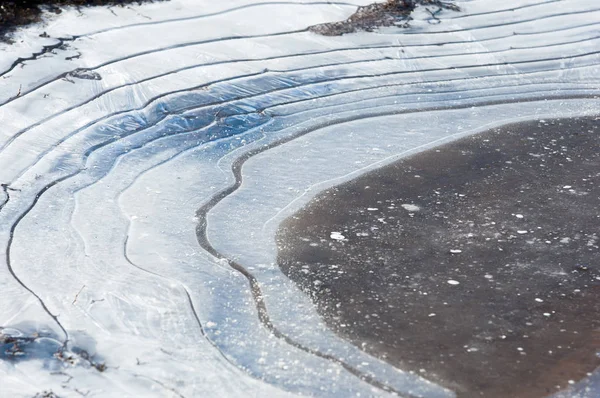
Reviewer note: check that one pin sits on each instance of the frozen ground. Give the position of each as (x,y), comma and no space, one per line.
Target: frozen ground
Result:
(148,157)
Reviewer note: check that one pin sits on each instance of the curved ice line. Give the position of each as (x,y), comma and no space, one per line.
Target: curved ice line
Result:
(133,150)
(166,138)
(243,158)
(185,290)
(181,111)
(48,48)
(502,11)
(61,41)
(265,93)
(594,87)
(236,168)
(14,275)
(135,55)
(564,14)
(385,160)
(315,82)
(187,150)
(324,356)
(222,12)
(182,45)
(533,94)
(254,285)
(160,383)
(349,49)
(101,94)
(90,124)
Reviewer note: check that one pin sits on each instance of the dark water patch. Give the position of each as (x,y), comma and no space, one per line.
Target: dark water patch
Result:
(475,264)
(390,13)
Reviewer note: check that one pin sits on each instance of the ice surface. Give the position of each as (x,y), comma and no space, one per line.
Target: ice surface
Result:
(111,144)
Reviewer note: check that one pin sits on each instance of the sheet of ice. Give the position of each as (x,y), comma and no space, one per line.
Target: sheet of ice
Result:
(107,152)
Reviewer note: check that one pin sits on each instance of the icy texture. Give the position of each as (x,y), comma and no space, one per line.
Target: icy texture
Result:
(110,144)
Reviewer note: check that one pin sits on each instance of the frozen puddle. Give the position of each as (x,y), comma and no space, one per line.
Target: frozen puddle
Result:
(506,315)
(148,158)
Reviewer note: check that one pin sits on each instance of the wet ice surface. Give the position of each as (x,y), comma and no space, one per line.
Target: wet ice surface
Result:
(143,183)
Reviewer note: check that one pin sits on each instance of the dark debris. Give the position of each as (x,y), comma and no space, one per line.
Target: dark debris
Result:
(391,13)
(42,345)
(46,394)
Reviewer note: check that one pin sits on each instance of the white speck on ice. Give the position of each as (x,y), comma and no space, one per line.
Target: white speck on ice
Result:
(521,232)
(337,236)
(455,251)
(567,187)
(453,282)
(539,300)
(411,207)
(546,314)
(432,314)
(372,208)
(519,215)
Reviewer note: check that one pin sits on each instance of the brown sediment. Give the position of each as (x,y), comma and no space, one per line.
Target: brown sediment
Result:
(512,215)
(390,13)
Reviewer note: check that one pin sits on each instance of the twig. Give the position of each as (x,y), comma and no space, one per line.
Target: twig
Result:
(77,295)
(63,374)
(72,57)
(434,16)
